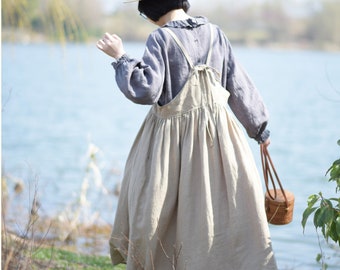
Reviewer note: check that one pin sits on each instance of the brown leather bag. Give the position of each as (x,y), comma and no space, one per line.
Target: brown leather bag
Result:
(279,203)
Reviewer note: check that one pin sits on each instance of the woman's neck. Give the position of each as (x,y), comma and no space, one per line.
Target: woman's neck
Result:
(173,15)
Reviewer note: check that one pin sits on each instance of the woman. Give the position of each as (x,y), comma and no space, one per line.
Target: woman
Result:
(191,195)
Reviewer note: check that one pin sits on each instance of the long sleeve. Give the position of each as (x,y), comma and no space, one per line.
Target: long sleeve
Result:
(245,100)
(141,81)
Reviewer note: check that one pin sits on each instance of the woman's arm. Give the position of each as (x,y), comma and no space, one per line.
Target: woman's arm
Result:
(141,81)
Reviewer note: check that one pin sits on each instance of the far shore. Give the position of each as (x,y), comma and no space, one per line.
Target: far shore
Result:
(21,37)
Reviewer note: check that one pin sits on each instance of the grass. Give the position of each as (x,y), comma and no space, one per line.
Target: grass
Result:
(48,257)
(62,259)
(25,253)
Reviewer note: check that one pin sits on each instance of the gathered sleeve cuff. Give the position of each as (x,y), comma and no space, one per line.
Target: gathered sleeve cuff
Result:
(263,136)
(122,59)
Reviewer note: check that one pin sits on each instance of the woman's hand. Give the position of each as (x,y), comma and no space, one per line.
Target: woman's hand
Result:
(112,45)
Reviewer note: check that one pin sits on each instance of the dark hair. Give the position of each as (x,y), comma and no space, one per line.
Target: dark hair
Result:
(154,9)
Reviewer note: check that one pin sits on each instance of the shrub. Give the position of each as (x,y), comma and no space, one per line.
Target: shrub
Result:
(327,212)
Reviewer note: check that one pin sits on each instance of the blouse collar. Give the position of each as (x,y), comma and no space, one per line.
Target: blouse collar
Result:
(192,22)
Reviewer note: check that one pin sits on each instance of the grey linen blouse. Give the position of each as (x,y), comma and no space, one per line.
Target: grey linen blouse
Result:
(162,72)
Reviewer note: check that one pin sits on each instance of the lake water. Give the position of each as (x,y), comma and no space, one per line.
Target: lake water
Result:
(57,100)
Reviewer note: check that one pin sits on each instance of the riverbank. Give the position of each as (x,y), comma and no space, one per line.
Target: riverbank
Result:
(18,36)
(20,253)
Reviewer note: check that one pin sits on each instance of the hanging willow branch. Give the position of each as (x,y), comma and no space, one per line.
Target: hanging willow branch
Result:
(14,13)
(56,19)
(62,22)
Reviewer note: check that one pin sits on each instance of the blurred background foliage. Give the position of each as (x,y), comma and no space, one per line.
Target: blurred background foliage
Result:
(315,23)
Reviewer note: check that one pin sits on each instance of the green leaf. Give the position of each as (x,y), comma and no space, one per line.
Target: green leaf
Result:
(337,228)
(335,171)
(331,232)
(339,142)
(323,216)
(306,214)
(316,219)
(327,203)
(312,199)
(318,257)
(326,215)
(337,200)
(335,164)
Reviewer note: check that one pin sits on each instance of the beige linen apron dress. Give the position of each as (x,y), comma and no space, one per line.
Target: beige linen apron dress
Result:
(191,196)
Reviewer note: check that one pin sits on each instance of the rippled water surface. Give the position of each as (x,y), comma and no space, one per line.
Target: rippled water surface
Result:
(58,100)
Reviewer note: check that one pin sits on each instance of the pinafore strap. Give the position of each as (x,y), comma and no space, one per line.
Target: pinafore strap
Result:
(184,51)
(202,89)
